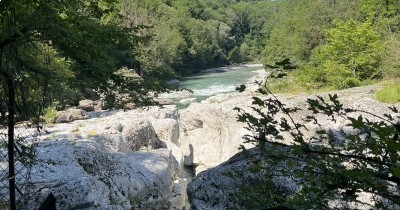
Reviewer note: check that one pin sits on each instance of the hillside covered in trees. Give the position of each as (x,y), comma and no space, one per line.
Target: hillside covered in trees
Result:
(332,44)
(81,45)
(358,37)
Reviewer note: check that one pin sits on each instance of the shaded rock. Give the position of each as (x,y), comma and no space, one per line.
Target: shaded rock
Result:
(87,105)
(163,101)
(70,115)
(91,94)
(83,192)
(112,140)
(83,175)
(215,188)
(179,193)
(139,135)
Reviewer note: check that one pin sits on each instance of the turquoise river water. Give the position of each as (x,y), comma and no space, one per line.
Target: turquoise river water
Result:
(205,85)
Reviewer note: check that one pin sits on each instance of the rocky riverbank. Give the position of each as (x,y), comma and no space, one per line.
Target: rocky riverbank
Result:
(112,160)
(91,159)
(133,159)
(213,188)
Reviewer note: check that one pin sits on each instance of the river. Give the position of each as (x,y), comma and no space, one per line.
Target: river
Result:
(211,82)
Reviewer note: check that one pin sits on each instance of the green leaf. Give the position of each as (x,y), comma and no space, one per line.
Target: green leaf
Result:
(393,145)
(357,123)
(394,109)
(241,88)
(396,171)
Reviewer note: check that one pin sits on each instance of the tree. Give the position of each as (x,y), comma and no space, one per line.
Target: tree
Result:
(296,28)
(357,46)
(52,51)
(62,49)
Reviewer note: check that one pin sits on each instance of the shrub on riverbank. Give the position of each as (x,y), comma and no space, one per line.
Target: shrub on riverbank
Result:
(389,94)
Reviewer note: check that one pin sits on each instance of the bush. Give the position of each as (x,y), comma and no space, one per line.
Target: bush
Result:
(287,85)
(351,55)
(348,82)
(49,114)
(389,94)
(310,77)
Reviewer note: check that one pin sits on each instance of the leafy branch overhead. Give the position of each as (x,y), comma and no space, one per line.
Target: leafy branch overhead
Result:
(56,52)
(357,166)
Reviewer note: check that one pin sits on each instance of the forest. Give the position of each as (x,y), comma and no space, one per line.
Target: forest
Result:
(338,44)
(65,48)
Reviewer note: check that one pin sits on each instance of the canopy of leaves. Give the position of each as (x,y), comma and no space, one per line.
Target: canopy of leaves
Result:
(54,51)
(186,36)
(337,44)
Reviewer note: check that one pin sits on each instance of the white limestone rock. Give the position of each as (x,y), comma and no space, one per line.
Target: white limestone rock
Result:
(179,194)
(70,115)
(210,133)
(139,135)
(83,175)
(167,130)
(87,105)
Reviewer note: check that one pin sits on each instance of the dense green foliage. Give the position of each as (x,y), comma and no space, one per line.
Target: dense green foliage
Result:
(61,50)
(66,47)
(54,52)
(336,44)
(189,35)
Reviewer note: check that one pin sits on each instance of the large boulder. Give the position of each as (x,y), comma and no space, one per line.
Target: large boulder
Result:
(209,131)
(167,131)
(70,115)
(112,161)
(215,188)
(139,135)
(83,175)
(125,131)
(87,105)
